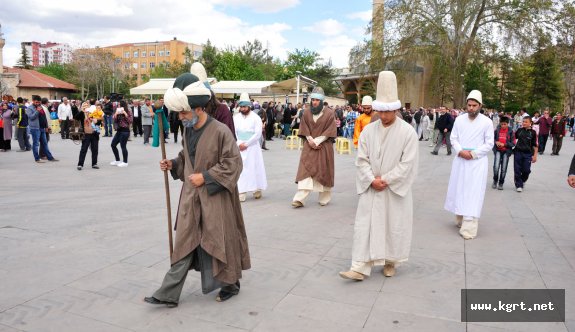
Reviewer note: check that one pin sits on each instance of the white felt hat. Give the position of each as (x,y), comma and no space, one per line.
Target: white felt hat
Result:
(366,101)
(386,98)
(476,95)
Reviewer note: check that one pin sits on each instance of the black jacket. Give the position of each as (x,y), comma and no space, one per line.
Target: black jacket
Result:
(526,140)
(444,121)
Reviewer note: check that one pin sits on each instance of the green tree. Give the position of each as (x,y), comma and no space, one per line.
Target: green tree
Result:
(169,69)
(24,61)
(209,57)
(232,66)
(547,89)
(57,70)
(478,76)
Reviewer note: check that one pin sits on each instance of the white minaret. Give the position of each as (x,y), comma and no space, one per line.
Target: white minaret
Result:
(2,43)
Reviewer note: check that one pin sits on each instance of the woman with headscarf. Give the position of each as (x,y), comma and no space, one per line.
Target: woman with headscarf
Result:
(6,128)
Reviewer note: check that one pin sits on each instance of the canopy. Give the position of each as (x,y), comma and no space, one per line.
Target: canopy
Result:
(156,86)
(288,86)
(238,87)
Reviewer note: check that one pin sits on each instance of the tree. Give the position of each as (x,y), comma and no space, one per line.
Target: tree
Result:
(169,69)
(24,61)
(92,70)
(547,89)
(208,58)
(452,28)
(57,70)
(566,49)
(478,76)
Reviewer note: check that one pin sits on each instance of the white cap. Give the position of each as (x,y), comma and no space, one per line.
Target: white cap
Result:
(386,98)
(366,101)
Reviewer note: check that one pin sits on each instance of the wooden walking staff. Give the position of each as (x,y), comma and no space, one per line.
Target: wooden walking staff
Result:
(166,183)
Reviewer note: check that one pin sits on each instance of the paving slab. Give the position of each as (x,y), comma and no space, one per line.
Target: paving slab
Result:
(94,242)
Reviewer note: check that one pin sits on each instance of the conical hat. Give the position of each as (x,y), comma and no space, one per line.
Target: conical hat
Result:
(366,101)
(386,98)
(476,95)
(198,69)
(244,100)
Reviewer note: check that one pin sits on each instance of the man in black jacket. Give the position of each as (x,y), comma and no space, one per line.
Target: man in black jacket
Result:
(108,109)
(444,125)
(525,152)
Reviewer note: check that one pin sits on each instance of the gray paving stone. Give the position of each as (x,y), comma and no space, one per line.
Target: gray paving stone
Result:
(89,266)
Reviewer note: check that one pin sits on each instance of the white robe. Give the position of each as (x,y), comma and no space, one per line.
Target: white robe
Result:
(469,177)
(249,131)
(384,219)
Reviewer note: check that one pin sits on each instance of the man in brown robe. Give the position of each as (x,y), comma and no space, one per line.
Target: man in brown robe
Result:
(209,219)
(316,164)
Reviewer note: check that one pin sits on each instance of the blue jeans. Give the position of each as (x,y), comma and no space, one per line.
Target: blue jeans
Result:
(521,167)
(37,136)
(500,163)
(108,121)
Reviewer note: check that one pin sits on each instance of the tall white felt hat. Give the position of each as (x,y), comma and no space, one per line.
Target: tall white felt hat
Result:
(199,70)
(386,98)
(366,101)
(476,95)
(244,100)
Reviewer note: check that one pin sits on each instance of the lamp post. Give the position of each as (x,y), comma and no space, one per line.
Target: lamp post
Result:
(297,80)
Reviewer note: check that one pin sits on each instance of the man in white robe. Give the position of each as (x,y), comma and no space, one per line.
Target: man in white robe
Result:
(472,140)
(387,161)
(248,127)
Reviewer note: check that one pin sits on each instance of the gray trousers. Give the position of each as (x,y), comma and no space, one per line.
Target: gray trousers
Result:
(440,137)
(174,280)
(147,133)
(23,138)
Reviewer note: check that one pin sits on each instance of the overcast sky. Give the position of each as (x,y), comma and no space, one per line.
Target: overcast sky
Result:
(329,27)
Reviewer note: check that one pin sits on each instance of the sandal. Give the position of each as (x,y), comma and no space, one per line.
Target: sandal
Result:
(228,292)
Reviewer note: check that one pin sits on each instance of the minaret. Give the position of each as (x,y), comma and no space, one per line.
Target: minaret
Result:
(2,43)
(377,58)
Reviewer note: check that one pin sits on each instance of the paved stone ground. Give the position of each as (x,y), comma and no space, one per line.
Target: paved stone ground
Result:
(80,250)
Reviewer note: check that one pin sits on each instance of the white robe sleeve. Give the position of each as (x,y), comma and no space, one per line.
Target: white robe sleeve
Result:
(401,177)
(454,138)
(488,141)
(365,174)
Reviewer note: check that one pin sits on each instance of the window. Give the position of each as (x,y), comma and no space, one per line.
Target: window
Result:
(135,54)
(126,54)
(160,53)
(126,66)
(143,65)
(152,53)
(143,54)
(152,64)
(167,53)
(135,65)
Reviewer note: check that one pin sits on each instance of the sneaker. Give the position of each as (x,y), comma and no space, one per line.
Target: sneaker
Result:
(95,167)
(40,161)
(53,159)
(494,185)
(79,168)
(519,189)
(115,163)
(122,164)
(434,153)
(500,187)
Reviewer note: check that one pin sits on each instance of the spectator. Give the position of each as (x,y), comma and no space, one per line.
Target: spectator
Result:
(123,119)
(108,116)
(22,126)
(137,124)
(558,132)
(65,117)
(5,127)
(147,119)
(91,136)
(33,113)
(444,125)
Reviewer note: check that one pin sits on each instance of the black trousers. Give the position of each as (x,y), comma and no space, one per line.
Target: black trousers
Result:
(65,128)
(137,126)
(521,167)
(557,143)
(543,142)
(122,138)
(89,141)
(175,128)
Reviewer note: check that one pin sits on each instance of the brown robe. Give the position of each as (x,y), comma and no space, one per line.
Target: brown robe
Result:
(214,222)
(317,164)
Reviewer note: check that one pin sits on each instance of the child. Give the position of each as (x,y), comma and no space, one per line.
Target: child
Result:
(502,150)
(525,152)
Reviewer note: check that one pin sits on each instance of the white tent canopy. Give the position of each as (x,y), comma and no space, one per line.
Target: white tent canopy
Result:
(158,86)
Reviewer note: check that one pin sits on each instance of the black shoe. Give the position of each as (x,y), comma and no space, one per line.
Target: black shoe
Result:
(434,153)
(228,292)
(449,153)
(95,167)
(265,149)
(79,168)
(500,187)
(154,300)
(494,185)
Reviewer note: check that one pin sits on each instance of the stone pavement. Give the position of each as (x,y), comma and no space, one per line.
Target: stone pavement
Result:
(80,250)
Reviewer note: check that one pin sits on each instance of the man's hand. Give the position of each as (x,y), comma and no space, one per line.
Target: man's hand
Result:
(465,154)
(571,180)
(312,143)
(499,144)
(378,184)
(243,146)
(534,158)
(165,165)
(444,130)
(197,179)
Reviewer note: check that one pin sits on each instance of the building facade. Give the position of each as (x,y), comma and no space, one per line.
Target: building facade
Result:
(50,52)
(138,59)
